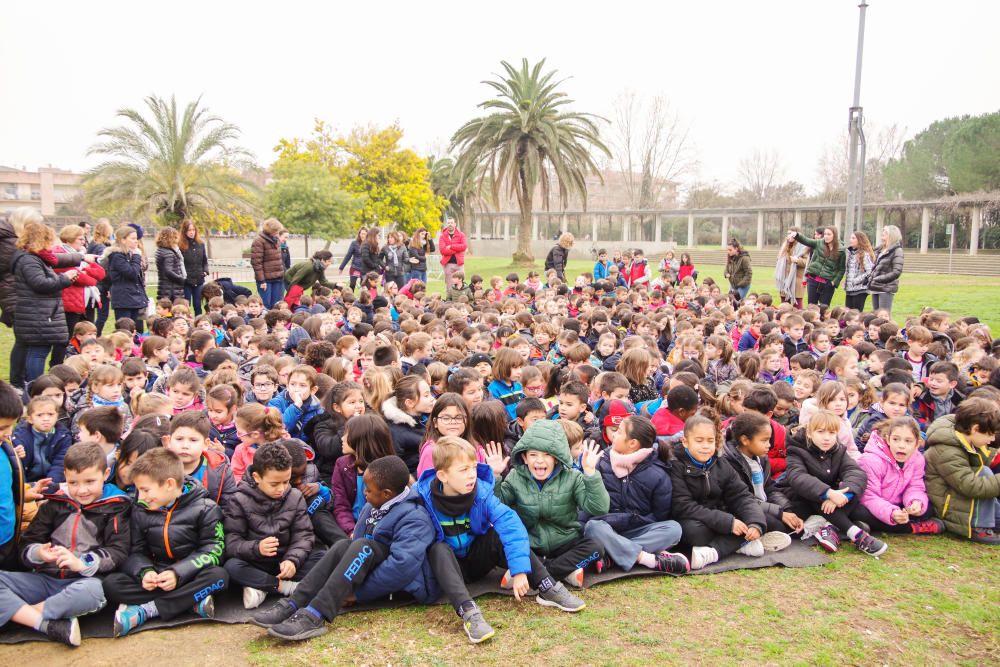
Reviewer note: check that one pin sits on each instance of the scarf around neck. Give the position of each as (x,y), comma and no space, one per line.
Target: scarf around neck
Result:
(624,464)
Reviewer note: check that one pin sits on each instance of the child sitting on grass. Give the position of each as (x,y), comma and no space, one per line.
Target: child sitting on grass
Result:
(961,478)
(189,440)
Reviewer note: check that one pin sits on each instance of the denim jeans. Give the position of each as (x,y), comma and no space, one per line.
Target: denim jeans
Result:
(274,293)
(34,361)
(742,291)
(624,547)
(193,295)
(419,275)
(134,314)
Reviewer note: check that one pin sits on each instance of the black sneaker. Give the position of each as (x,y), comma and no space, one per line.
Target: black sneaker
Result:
(672,563)
(303,624)
(985,536)
(273,614)
(870,545)
(64,630)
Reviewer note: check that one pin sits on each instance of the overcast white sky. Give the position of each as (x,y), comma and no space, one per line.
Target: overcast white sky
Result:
(763,74)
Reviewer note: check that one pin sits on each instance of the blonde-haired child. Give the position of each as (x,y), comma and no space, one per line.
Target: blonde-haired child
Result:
(832,396)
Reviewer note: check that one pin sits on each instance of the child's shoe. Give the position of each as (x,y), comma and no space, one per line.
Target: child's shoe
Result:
(64,630)
(828,538)
(253,597)
(560,598)
(475,626)
(575,578)
(703,557)
(672,563)
(927,527)
(273,614)
(870,545)
(127,618)
(775,540)
(985,536)
(604,564)
(206,608)
(813,525)
(301,625)
(507,583)
(753,548)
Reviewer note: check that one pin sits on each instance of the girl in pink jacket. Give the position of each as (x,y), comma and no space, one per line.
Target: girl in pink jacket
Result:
(895,500)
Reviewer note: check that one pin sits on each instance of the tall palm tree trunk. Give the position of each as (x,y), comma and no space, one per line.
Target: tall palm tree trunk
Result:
(525,201)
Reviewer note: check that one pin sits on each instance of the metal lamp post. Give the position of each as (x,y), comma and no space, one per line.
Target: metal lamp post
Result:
(856,152)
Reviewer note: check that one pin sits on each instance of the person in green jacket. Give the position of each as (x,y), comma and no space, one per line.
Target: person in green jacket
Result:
(549,495)
(738,271)
(961,466)
(826,266)
(306,274)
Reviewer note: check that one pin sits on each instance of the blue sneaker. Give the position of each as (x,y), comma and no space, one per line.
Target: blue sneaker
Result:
(206,608)
(127,618)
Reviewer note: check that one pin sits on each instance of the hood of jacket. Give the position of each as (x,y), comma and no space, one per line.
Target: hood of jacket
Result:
(392,413)
(112,500)
(941,433)
(544,436)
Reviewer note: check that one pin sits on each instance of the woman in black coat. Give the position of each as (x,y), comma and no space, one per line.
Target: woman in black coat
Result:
(370,260)
(558,257)
(420,245)
(353,257)
(195,264)
(39,320)
(883,281)
(127,277)
(169,265)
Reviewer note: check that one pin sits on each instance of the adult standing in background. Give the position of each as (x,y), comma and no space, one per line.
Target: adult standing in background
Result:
(453,246)
(883,282)
(860,259)
(370,260)
(127,277)
(394,259)
(286,254)
(82,295)
(353,256)
(268,263)
(420,245)
(790,269)
(195,264)
(826,266)
(558,256)
(170,270)
(739,271)
(103,231)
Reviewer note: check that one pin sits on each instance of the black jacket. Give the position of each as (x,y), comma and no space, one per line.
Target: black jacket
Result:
(640,498)
(230,290)
(407,433)
(713,494)
(886,271)
(394,261)
(811,473)
(39,318)
(556,259)
(251,516)
(353,256)
(419,254)
(325,433)
(8,298)
(776,502)
(100,528)
(370,261)
(127,279)
(186,537)
(196,263)
(171,279)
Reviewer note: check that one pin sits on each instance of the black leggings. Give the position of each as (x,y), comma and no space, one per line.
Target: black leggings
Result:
(817,292)
(694,533)
(122,588)
(856,301)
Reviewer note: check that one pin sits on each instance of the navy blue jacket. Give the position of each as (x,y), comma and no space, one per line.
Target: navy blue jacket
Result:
(34,462)
(641,498)
(408,532)
(294,417)
(128,282)
(230,290)
(353,257)
(487,512)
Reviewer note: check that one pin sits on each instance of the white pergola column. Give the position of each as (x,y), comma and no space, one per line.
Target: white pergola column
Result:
(534,227)
(879,224)
(593,227)
(760,230)
(725,231)
(506,228)
(479,227)
(925,229)
(838,221)
(657,232)
(798,220)
(625,234)
(691,239)
(974,224)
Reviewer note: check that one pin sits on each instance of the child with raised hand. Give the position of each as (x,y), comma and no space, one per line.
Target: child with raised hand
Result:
(717,514)
(824,483)
(41,442)
(895,500)
(255,425)
(506,384)
(65,562)
(637,530)
(548,495)
(326,432)
(748,443)
(450,416)
(177,546)
(388,554)
(366,439)
(961,479)
(189,432)
(298,403)
(475,532)
(269,536)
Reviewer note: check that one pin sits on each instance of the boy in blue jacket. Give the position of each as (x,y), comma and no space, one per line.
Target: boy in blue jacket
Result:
(298,403)
(41,442)
(388,554)
(475,532)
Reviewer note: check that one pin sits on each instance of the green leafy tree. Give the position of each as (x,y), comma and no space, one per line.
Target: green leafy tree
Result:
(308,199)
(462,195)
(170,165)
(972,154)
(527,139)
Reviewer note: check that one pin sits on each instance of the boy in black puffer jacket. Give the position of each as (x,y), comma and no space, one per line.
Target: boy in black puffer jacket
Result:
(177,546)
(269,536)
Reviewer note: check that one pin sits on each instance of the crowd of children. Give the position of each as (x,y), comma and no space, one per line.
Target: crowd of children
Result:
(398,442)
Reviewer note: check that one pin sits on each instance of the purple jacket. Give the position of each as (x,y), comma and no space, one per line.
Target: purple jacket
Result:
(889,486)
(344,485)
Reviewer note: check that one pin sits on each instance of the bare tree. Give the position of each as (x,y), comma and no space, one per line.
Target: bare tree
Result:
(884,144)
(759,173)
(650,145)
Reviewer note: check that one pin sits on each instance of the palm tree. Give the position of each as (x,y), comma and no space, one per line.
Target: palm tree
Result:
(525,139)
(171,165)
(462,195)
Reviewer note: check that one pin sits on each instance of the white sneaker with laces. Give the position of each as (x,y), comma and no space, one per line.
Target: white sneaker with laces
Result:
(253,597)
(753,548)
(703,557)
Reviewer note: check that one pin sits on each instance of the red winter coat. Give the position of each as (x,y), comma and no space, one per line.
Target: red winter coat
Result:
(74,296)
(452,245)
(637,274)
(685,271)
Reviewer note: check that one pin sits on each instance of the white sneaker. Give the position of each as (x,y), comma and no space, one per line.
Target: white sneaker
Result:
(253,597)
(575,578)
(775,540)
(813,525)
(753,548)
(703,557)
(288,587)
